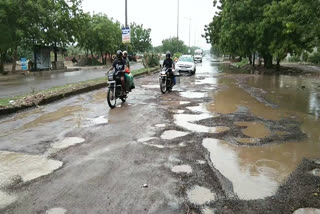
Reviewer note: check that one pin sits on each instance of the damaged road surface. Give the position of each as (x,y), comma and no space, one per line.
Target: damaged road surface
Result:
(218,143)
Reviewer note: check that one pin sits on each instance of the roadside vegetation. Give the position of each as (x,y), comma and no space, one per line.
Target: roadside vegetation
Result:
(268,30)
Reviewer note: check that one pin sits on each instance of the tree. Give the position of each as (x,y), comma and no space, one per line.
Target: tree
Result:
(174,46)
(140,38)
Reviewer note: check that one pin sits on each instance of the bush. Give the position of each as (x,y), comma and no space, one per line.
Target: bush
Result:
(315,58)
(294,59)
(150,60)
(177,55)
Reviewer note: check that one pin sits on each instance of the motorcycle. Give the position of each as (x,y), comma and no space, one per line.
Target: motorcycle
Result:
(115,90)
(166,82)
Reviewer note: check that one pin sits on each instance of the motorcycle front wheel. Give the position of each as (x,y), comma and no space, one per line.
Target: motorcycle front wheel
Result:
(163,85)
(112,100)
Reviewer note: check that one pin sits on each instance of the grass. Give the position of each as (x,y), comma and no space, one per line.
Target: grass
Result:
(241,64)
(5,102)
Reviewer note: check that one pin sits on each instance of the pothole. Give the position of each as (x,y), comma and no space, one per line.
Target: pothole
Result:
(172,134)
(207,210)
(184,102)
(254,129)
(201,162)
(160,125)
(99,121)
(28,167)
(182,169)
(185,121)
(200,195)
(146,139)
(250,179)
(6,199)
(151,86)
(247,140)
(67,142)
(193,95)
(57,210)
(307,211)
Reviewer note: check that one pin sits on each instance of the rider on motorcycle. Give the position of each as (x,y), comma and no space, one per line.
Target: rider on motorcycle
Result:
(168,63)
(119,64)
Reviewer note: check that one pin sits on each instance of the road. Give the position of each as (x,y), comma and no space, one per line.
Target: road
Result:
(167,153)
(46,80)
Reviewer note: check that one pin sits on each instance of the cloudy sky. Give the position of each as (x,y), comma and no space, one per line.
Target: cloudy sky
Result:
(160,16)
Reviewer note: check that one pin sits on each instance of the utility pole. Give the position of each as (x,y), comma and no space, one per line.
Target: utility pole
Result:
(126,21)
(126,15)
(189,30)
(178,19)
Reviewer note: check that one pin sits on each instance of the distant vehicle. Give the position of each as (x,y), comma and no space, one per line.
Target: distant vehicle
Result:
(186,64)
(198,54)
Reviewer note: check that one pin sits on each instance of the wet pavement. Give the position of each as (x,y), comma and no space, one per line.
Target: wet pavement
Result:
(214,144)
(48,79)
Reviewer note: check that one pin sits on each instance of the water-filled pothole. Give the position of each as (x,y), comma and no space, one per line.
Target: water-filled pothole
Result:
(172,134)
(200,195)
(182,169)
(67,142)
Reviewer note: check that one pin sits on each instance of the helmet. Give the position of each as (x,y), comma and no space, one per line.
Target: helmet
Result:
(125,53)
(119,54)
(168,54)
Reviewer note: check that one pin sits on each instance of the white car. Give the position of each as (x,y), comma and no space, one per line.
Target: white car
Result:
(186,64)
(198,58)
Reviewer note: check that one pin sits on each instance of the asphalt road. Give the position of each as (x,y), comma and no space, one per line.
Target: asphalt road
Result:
(46,80)
(157,153)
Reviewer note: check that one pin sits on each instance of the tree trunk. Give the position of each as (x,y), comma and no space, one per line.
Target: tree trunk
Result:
(105,57)
(55,52)
(2,56)
(278,64)
(15,58)
(250,60)
(102,58)
(254,60)
(265,61)
(269,64)
(35,59)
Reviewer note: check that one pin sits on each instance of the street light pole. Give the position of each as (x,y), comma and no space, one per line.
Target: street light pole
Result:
(189,30)
(178,19)
(126,17)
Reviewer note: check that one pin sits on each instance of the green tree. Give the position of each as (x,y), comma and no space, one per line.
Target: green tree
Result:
(140,38)
(174,46)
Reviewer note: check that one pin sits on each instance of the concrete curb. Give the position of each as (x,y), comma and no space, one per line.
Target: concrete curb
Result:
(56,97)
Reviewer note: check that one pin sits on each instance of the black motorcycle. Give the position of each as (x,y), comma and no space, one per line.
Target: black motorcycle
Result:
(166,81)
(115,90)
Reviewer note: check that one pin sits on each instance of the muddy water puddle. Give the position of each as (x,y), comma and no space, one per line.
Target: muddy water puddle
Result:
(53,116)
(28,167)
(254,129)
(257,171)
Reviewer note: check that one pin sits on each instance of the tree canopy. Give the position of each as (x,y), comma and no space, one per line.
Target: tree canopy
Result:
(270,28)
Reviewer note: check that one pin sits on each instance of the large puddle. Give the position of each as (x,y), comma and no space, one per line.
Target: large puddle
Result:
(27,167)
(257,171)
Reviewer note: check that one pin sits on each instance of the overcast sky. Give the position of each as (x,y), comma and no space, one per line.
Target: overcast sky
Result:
(160,16)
